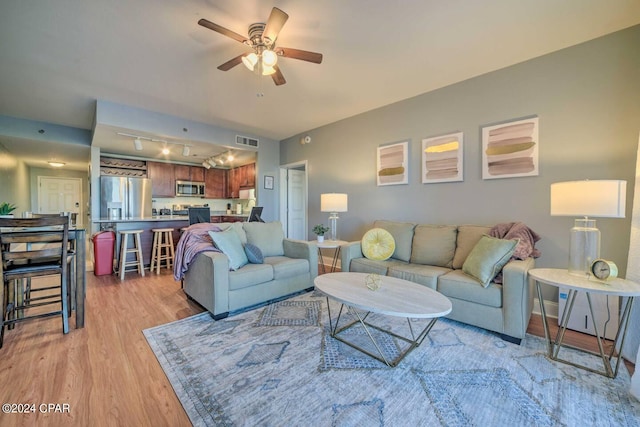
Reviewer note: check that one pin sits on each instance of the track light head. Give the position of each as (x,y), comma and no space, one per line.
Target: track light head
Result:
(185,151)
(137,144)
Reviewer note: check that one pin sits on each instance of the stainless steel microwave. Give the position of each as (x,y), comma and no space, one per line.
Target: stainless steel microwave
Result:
(189,189)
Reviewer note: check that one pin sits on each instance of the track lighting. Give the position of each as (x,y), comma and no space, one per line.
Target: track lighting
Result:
(206,165)
(185,151)
(165,151)
(137,144)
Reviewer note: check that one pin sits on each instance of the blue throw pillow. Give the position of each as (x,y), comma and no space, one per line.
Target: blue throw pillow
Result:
(254,254)
(229,243)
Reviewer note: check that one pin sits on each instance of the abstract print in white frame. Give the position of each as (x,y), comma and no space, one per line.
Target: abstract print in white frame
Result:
(442,158)
(393,164)
(510,149)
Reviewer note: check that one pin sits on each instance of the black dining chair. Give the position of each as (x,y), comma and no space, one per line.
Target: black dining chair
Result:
(71,260)
(34,247)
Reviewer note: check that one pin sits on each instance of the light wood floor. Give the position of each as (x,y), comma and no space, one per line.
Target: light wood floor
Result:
(106,372)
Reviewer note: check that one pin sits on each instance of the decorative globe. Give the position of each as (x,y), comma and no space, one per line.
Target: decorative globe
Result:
(373,281)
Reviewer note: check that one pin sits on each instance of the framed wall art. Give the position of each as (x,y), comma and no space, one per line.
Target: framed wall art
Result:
(268,182)
(510,149)
(392,164)
(442,158)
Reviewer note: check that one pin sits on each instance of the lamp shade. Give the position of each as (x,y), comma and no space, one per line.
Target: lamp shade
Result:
(333,202)
(598,198)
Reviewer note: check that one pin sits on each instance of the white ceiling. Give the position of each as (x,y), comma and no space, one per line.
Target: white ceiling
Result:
(58,57)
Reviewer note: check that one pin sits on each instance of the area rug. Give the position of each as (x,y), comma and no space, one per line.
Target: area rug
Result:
(278,365)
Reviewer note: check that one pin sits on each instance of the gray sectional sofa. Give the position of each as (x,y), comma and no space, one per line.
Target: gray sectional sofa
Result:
(289,266)
(433,256)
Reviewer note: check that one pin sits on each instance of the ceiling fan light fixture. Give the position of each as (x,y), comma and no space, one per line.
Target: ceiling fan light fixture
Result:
(137,144)
(250,61)
(269,58)
(267,71)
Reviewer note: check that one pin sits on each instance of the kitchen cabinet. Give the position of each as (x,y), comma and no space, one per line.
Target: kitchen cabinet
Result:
(240,178)
(233,184)
(215,184)
(189,173)
(163,181)
(226,218)
(247,176)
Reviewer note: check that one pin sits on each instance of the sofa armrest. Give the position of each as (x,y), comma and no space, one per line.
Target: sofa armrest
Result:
(517,296)
(304,250)
(207,282)
(348,252)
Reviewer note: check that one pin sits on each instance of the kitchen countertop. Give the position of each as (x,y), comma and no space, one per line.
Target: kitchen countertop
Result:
(164,218)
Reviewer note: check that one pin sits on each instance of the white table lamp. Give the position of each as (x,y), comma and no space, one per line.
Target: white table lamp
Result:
(333,203)
(599,198)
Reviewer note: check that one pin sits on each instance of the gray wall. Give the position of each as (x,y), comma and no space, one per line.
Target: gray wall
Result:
(587,98)
(14,182)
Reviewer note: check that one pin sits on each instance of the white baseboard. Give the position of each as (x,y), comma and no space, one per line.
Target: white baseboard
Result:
(551,307)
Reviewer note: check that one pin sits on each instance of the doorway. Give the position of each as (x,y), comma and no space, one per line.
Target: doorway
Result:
(60,195)
(293,199)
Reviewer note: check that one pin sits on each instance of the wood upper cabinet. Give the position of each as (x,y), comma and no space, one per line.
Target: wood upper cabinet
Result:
(248,176)
(215,184)
(233,184)
(163,181)
(189,173)
(240,178)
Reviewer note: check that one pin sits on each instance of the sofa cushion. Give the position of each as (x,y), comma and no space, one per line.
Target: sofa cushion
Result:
(468,236)
(230,245)
(378,244)
(250,275)
(458,285)
(268,236)
(285,267)
(426,275)
(254,254)
(488,257)
(402,233)
(365,265)
(434,245)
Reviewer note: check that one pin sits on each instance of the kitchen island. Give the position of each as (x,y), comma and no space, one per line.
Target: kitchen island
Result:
(177,222)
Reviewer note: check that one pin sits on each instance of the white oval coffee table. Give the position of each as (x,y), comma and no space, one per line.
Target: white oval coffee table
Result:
(396,297)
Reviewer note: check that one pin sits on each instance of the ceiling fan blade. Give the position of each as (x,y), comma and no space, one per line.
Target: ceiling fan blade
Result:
(232,63)
(274,24)
(303,55)
(219,29)
(277,77)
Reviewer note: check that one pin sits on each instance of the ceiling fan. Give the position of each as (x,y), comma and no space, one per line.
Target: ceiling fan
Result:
(262,39)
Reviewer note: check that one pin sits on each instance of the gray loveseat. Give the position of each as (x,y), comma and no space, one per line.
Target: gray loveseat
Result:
(433,256)
(289,266)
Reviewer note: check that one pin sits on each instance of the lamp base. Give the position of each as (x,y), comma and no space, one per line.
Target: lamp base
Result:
(333,226)
(584,246)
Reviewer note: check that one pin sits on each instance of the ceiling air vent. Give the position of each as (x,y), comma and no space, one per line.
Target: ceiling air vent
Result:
(245,140)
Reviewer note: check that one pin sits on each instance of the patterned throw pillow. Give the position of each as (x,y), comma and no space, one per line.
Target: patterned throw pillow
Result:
(254,254)
(378,244)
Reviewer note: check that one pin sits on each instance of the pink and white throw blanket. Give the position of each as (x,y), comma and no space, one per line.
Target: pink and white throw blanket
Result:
(194,240)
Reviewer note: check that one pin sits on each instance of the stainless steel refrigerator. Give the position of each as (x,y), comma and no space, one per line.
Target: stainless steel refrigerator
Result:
(125,198)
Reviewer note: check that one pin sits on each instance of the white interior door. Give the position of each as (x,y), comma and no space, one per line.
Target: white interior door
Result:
(297,204)
(60,195)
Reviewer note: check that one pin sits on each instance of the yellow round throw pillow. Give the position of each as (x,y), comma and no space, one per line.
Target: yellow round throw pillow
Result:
(378,244)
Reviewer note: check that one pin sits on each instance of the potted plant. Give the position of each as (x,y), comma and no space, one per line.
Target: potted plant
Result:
(6,209)
(319,230)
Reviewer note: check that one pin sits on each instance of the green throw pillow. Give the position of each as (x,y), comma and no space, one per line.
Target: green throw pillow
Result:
(229,243)
(487,258)
(378,244)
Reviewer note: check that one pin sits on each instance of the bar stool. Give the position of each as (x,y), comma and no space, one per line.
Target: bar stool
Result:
(162,239)
(136,250)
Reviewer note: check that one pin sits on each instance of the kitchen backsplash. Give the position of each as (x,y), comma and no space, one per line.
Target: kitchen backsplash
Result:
(214,204)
